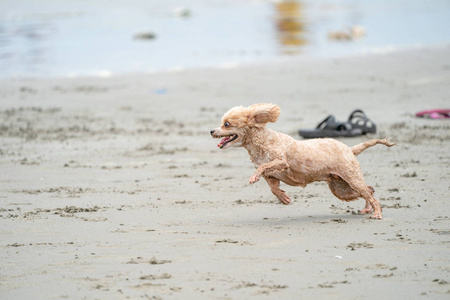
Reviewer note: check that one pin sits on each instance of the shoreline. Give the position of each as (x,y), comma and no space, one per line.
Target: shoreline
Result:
(232,65)
(113,187)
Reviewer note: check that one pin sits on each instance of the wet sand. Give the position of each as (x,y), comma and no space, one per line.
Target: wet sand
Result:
(112,188)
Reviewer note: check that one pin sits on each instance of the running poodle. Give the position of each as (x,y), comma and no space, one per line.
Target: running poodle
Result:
(278,157)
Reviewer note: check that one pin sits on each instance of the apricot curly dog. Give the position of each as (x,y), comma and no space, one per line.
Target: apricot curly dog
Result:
(278,157)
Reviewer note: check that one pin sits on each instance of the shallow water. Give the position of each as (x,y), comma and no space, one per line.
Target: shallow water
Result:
(104,38)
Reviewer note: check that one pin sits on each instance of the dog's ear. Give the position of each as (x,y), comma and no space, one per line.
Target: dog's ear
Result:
(260,114)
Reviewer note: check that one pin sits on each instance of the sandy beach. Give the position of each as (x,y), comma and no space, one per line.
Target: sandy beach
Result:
(112,188)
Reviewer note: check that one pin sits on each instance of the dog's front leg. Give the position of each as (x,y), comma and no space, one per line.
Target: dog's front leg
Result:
(276,165)
(274,185)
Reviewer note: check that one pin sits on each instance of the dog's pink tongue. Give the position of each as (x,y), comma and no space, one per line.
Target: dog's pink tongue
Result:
(223,141)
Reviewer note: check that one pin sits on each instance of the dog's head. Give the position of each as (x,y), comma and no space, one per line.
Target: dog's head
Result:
(238,121)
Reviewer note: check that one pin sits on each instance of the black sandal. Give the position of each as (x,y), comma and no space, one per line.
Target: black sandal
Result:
(359,120)
(331,128)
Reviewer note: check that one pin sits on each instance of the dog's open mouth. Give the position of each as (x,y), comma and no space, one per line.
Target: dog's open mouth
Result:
(226,140)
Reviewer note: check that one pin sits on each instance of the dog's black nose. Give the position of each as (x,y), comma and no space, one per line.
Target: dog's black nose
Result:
(212,132)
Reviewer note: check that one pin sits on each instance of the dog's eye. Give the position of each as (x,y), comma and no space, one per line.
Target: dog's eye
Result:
(226,124)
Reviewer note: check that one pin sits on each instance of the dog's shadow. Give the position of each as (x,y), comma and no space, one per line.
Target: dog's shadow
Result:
(341,219)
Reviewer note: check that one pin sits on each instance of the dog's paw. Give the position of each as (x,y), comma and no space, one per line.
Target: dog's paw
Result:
(377,216)
(284,198)
(253,179)
(368,208)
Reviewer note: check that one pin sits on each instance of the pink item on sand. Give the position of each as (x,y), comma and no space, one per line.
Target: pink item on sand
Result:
(434,114)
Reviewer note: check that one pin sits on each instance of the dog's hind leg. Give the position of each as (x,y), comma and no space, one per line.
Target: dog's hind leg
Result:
(367,209)
(274,185)
(342,190)
(357,184)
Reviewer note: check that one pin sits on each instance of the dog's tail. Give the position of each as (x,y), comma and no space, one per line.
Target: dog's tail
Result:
(363,146)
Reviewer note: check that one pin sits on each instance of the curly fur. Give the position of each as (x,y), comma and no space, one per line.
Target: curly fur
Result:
(278,157)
